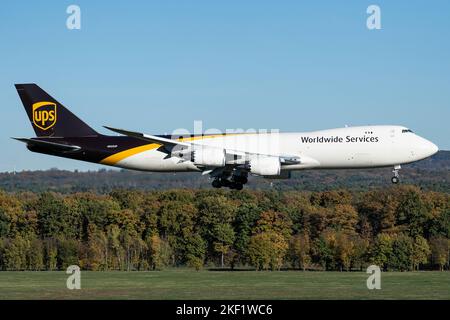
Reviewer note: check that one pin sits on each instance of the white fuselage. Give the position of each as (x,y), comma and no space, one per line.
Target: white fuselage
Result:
(349,147)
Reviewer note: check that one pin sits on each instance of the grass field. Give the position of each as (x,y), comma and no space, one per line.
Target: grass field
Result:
(189,284)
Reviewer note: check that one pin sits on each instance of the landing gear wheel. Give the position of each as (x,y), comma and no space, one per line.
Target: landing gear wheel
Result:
(225,183)
(396,178)
(216,183)
(238,186)
(240,179)
(244,180)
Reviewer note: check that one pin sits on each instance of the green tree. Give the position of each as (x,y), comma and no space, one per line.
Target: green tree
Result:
(296,207)
(11,215)
(51,254)
(54,218)
(224,238)
(378,208)
(195,251)
(149,216)
(67,253)
(323,253)
(246,217)
(98,254)
(267,250)
(5,223)
(35,255)
(134,248)
(2,253)
(331,198)
(440,225)
(381,250)
(217,214)
(273,221)
(420,253)
(128,199)
(412,213)
(116,260)
(177,224)
(160,252)
(344,217)
(300,250)
(360,252)
(344,250)
(440,251)
(100,211)
(316,220)
(402,253)
(15,253)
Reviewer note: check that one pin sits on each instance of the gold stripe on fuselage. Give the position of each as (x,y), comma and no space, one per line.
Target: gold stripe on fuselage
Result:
(113,159)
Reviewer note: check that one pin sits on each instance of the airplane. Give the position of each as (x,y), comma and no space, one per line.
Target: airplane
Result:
(228,158)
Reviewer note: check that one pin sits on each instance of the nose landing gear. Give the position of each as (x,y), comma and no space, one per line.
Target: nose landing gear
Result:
(396,178)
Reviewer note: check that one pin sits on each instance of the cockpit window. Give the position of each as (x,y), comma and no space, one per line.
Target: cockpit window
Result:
(406,130)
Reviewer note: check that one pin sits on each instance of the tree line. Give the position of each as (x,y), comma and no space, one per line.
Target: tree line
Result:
(431,174)
(398,228)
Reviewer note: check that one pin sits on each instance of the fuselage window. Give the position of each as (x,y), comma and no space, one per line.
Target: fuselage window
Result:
(406,130)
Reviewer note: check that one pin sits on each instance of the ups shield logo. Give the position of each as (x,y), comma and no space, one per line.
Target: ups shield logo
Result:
(44,115)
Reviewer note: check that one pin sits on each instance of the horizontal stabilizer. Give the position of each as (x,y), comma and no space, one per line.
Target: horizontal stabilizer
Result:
(49,145)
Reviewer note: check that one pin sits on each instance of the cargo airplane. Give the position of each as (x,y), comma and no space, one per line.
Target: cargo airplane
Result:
(227,158)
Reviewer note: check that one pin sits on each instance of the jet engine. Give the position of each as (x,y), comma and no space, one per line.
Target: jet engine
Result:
(265,166)
(283,175)
(209,157)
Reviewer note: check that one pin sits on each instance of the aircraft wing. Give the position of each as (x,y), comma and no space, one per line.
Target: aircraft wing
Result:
(49,145)
(237,157)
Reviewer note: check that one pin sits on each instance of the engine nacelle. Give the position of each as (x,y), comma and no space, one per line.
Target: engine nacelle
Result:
(210,157)
(284,174)
(265,166)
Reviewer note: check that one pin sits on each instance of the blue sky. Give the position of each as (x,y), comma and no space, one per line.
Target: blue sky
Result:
(291,65)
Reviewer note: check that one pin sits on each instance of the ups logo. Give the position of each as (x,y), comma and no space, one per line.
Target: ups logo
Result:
(44,114)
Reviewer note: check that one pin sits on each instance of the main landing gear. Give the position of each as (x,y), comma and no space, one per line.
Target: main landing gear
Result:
(396,178)
(236,182)
(223,182)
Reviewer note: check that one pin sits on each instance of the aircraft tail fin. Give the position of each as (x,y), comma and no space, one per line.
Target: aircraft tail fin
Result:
(48,117)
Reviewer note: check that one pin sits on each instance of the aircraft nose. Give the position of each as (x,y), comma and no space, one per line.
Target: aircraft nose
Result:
(433,148)
(429,148)
(425,148)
